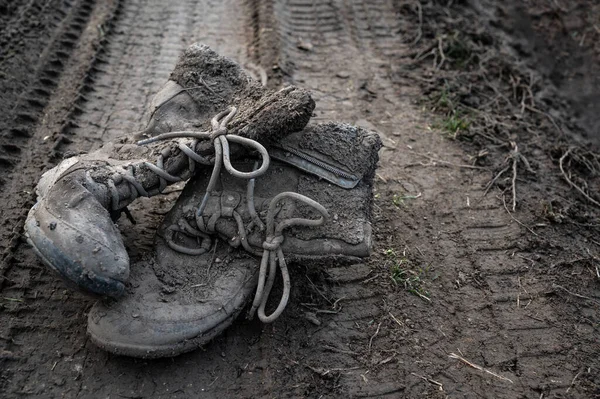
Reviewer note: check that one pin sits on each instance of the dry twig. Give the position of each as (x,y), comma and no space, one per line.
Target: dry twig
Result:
(420,27)
(373,336)
(568,179)
(576,294)
(395,319)
(441,51)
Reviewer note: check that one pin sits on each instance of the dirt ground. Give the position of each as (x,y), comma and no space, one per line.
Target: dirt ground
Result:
(485,278)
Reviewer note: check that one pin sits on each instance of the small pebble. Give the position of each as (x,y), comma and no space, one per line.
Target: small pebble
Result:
(306,46)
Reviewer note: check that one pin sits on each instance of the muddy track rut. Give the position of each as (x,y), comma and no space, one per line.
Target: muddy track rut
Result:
(487,302)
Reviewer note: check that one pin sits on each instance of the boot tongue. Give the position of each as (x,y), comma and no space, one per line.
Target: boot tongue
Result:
(339,153)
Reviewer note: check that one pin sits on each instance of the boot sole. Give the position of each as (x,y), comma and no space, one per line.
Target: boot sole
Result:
(168,350)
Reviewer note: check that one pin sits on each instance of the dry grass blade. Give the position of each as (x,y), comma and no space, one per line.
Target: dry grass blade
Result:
(573,382)
(429,380)
(477,367)
(517,220)
(441,161)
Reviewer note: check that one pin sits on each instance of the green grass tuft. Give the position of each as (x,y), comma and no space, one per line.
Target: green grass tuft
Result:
(404,273)
(454,124)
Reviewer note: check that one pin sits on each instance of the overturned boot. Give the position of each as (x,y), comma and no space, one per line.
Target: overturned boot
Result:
(203,83)
(312,204)
(71,226)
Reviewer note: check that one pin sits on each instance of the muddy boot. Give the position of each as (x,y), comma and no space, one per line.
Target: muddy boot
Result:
(71,226)
(204,83)
(313,204)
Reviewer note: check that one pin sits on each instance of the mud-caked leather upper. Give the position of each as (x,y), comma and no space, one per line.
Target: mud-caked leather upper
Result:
(332,164)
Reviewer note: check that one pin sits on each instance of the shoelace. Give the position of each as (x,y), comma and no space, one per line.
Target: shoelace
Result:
(221,145)
(272,254)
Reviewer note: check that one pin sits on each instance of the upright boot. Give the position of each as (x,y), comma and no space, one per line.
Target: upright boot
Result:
(313,204)
(71,225)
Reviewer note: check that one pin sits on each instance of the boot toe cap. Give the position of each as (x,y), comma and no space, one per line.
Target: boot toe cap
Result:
(89,257)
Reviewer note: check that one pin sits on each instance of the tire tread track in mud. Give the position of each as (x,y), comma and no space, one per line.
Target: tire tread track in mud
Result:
(30,102)
(513,294)
(50,100)
(362,33)
(137,57)
(321,41)
(27,109)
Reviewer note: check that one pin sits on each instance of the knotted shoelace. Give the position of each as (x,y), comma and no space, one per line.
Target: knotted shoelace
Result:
(271,252)
(221,146)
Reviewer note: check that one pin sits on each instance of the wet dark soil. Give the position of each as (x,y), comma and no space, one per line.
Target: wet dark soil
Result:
(468,293)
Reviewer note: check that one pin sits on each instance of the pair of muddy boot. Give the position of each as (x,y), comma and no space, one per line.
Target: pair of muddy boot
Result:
(259,179)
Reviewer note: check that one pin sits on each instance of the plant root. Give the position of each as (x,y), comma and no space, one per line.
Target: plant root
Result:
(511,162)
